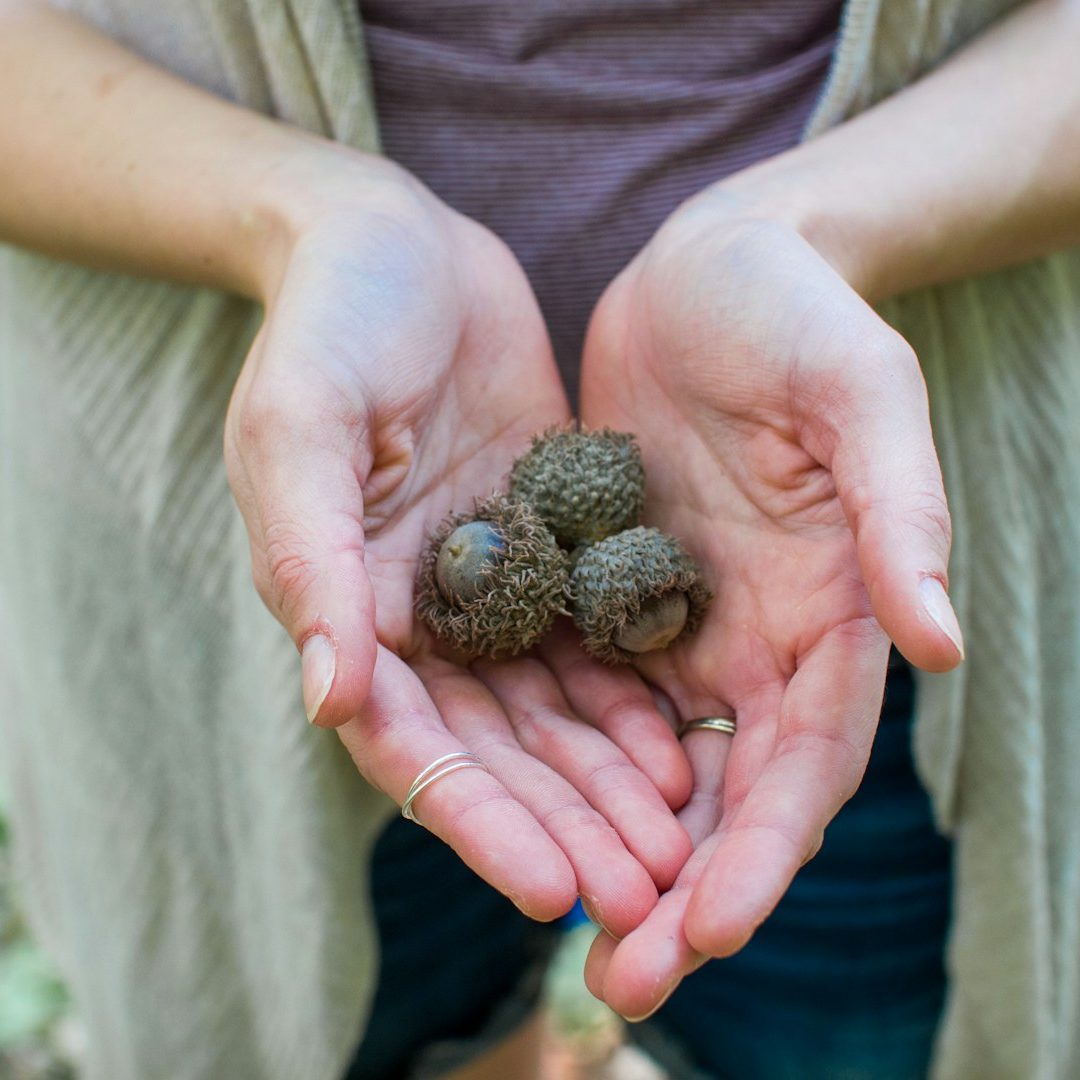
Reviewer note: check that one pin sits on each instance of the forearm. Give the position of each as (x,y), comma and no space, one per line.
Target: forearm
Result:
(109,161)
(973,168)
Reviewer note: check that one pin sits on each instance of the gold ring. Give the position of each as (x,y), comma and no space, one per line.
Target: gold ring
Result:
(724,724)
(439,768)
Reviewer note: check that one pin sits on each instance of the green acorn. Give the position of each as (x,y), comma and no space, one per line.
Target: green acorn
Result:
(636,592)
(585,485)
(491,583)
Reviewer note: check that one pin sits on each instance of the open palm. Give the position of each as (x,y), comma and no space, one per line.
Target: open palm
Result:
(402,366)
(787,443)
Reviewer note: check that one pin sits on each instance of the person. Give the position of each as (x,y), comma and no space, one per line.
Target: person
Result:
(400,364)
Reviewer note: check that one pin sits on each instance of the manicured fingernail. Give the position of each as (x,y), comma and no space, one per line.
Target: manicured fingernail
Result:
(936,603)
(318,661)
(656,1008)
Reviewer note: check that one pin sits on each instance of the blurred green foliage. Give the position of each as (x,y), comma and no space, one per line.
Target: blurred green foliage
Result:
(34,1005)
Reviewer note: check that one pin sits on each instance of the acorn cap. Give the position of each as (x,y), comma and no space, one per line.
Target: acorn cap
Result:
(585,485)
(491,582)
(635,592)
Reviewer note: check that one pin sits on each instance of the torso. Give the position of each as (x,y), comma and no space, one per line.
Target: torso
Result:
(573,129)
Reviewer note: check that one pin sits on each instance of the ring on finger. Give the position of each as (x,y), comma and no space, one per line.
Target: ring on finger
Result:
(724,724)
(439,768)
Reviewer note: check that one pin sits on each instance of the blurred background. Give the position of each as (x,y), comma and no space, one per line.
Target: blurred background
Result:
(40,1036)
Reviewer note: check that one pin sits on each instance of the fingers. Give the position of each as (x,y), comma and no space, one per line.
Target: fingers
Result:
(400,733)
(889,482)
(612,784)
(295,475)
(827,720)
(637,975)
(597,961)
(611,881)
(617,702)
(708,752)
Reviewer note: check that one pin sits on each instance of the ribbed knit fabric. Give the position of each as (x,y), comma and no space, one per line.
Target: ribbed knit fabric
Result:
(996,741)
(193,853)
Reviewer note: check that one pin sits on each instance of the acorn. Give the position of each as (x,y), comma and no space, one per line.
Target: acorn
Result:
(636,592)
(467,558)
(490,583)
(585,485)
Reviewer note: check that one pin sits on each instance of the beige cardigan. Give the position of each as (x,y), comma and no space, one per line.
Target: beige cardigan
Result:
(194,854)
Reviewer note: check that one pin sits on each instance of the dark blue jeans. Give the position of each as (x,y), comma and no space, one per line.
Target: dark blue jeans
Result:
(460,966)
(843,982)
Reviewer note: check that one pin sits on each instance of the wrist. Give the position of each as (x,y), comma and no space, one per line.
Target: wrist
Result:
(312,186)
(785,192)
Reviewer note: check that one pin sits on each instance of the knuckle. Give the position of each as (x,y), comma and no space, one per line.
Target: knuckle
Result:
(792,837)
(930,515)
(383,745)
(492,746)
(495,800)
(831,744)
(290,565)
(576,665)
(842,755)
(612,775)
(612,715)
(534,731)
(707,801)
(863,634)
(920,504)
(574,818)
(802,840)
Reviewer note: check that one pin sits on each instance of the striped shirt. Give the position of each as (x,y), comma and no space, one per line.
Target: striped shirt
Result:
(572,128)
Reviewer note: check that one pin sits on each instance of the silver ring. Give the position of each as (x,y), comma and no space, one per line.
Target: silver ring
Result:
(439,768)
(724,724)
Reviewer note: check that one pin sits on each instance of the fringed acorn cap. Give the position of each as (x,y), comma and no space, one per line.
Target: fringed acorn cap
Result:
(635,592)
(491,582)
(585,485)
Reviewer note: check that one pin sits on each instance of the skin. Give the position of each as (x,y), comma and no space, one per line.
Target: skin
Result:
(441,397)
(807,473)
(787,442)
(360,418)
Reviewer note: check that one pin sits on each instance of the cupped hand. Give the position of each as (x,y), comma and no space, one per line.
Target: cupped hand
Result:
(787,443)
(401,367)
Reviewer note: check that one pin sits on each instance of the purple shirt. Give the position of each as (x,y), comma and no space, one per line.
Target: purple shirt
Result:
(572,128)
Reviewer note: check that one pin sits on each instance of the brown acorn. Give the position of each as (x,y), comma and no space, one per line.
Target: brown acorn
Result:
(635,592)
(586,485)
(491,583)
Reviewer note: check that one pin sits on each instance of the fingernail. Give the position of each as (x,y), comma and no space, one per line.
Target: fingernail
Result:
(517,901)
(936,603)
(588,905)
(318,661)
(591,907)
(656,1008)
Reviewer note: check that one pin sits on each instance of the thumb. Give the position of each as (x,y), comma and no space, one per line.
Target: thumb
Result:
(303,506)
(889,482)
